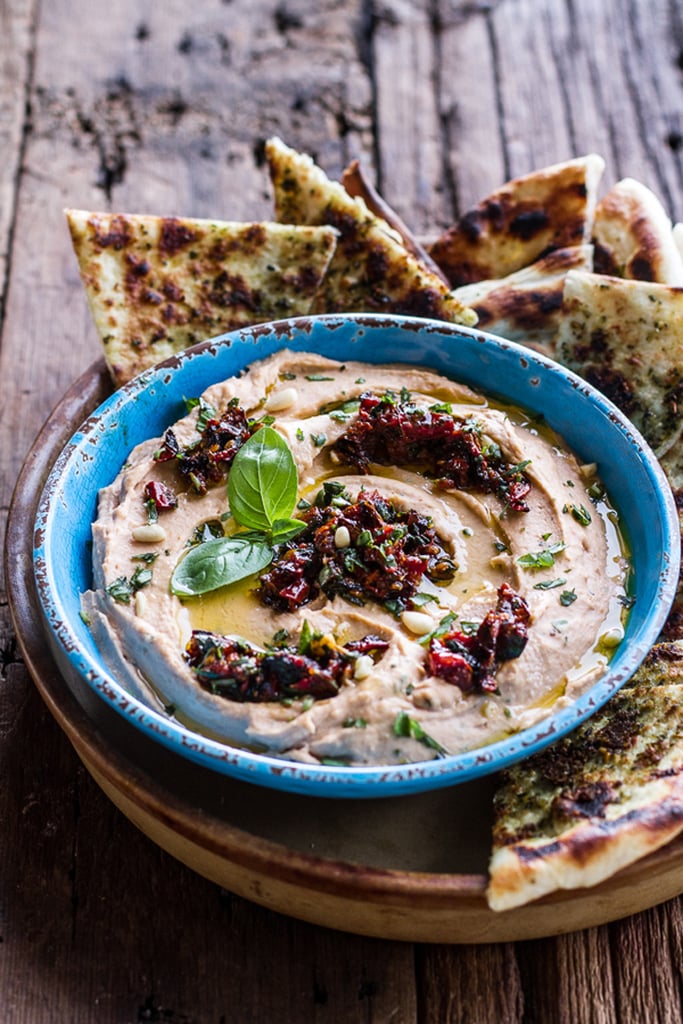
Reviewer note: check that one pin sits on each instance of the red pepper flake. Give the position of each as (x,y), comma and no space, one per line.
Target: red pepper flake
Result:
(470,661)
(393,431)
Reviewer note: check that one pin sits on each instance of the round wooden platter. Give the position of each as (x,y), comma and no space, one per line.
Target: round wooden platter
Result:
(410,868)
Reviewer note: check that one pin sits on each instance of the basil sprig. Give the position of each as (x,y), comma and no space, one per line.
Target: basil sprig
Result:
(262,492)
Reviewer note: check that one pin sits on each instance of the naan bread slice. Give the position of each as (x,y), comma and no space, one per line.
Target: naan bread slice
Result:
(626,338)
(601,798)
(633,236)
(551,208)
(372,271)
(357,183)
(526,306)
(157,285)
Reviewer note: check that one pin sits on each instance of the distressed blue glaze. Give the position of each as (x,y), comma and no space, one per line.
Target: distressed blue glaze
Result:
(592,426)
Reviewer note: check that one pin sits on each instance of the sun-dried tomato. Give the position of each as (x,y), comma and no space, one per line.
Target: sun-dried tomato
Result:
(394,432)
(389,552)
(160,495)
(233,668)
(470,661)
(208,459)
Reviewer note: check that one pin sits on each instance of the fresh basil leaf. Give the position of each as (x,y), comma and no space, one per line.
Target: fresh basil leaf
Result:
(218,562)
(285,529)
(263,481)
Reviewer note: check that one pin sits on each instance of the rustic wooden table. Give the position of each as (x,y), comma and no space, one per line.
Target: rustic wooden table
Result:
(163,108)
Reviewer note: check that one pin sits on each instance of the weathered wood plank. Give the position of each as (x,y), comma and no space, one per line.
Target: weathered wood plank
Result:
(15,74)
(569,979)
(469,985)
(474,156)
(540,81)
(646,979)
(410,168)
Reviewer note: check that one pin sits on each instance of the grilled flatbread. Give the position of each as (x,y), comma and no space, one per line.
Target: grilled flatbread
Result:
(157,285)
(599,799)
(633,236)
(372,271)
(356,183)
(626,338)
(526,306)
(552,208)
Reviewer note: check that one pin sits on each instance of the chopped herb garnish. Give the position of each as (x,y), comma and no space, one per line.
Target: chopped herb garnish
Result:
(152,511)
(559,624)
(543,559)
(318,440)
(409,727)
(580,513)
(567,597)
(550,584)
(317,377)
(354,723)
(287,376)
(468,627)
(148,557)
(122,589)
(299,434)
(305,638)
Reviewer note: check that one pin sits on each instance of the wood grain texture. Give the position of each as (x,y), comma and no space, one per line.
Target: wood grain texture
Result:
(164,108)
(15,74)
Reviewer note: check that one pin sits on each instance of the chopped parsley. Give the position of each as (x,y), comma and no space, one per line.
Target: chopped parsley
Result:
(543,559)
(409,727)
(580,513)
(550,584)
(122,589)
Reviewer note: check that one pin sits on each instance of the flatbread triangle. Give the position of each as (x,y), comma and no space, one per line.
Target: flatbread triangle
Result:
(633,236)
(156,285)
(523,220)
(598,799)
(371,271)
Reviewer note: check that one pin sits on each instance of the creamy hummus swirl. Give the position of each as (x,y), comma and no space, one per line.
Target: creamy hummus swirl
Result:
(575,593)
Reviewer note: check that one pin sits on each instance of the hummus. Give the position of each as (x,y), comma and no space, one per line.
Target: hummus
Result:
(561,554)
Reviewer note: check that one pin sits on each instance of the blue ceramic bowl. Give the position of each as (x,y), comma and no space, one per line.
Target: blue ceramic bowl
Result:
(591,425)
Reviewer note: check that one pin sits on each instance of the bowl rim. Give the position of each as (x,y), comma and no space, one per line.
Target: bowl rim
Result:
(352,781)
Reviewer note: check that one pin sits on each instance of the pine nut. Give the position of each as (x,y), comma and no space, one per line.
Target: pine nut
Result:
(363,667)
(150,533)
(418,623)
(278,401)
(342,537)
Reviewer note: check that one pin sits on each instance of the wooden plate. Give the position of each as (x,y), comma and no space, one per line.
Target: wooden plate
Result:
(411,868)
